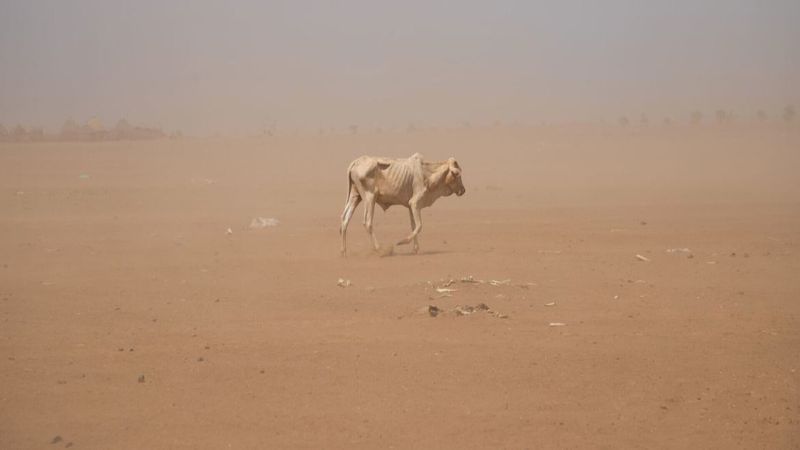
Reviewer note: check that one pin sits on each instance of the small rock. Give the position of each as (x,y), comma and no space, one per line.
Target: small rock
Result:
(343,283)
(434,310)
(56,440)
(200,359)
(141,378)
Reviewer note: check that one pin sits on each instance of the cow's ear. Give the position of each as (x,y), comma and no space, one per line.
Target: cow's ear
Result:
(437,177)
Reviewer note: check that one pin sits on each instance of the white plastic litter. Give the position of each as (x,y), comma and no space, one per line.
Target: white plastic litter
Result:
(264,222)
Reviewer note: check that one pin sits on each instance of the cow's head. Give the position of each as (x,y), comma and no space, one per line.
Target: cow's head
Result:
(446,180)
(453,178)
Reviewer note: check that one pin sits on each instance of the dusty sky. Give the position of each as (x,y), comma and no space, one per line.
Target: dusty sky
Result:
(235,67)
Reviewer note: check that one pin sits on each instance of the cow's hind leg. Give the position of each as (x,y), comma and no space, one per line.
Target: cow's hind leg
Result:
(352,202)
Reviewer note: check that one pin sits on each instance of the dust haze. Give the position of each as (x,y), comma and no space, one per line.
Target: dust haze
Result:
(621,271)
(206,68)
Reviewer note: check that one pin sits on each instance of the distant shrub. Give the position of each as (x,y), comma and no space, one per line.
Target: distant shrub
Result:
(788,113)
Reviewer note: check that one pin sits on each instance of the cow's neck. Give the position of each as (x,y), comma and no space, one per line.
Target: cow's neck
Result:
(429,168)
(432,194)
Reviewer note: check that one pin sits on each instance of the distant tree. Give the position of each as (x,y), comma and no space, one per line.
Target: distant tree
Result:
(19,133)
(3,132)
(70,129)
(722,116)
(643,120)
(667,121)
(788,113)
(36,133)
(696,117)
(623,121)
(762,116)
(353,129)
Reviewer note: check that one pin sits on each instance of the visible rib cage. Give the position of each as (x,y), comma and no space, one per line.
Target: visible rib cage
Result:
(398,180)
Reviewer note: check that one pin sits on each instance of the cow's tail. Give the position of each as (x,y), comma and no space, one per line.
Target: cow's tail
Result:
(349,182)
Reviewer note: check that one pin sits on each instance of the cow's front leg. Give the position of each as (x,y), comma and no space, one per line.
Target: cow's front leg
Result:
(369,213)
(416,219)
(415,247)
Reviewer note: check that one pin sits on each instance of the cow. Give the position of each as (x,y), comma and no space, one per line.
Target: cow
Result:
(409,182)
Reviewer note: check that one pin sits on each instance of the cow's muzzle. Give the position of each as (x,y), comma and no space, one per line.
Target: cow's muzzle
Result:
(461,192)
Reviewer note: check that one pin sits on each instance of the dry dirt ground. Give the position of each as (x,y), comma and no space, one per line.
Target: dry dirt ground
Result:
(130,317)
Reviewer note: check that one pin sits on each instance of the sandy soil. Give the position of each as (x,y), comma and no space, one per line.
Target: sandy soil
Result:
(129,318)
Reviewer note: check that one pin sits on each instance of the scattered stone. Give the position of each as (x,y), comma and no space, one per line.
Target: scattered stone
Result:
(141,378)
(229,231)
(434,310)
(56,440)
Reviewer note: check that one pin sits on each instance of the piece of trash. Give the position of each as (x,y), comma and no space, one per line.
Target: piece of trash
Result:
(464,310)
(264,222)
(469,279)
(550,304)
(445,290)
(83,176)
(434,310)
(678,250)
(343,283)
(499,282)
(229,231)
(642,258)
(557,324)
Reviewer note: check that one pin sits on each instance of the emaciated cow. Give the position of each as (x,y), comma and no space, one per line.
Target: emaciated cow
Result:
(409,182)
